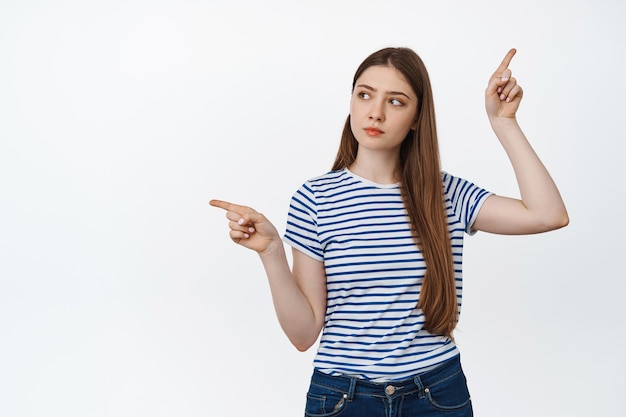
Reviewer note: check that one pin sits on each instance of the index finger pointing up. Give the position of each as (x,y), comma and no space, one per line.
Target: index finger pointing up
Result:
(507,60)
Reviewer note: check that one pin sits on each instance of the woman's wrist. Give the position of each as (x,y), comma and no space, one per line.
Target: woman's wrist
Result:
(503,122)
(273,249)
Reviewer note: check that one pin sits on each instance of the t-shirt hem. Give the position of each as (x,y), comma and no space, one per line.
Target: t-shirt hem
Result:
(470,229)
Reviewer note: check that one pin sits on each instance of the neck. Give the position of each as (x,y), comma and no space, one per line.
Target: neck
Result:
(377,167)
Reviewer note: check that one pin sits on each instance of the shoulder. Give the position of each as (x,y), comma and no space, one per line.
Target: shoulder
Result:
(315,191)
(325,181)
(456,187)
(448,177)
(449,180)
(328,178)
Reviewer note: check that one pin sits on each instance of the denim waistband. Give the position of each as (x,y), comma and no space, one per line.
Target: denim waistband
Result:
(352,386)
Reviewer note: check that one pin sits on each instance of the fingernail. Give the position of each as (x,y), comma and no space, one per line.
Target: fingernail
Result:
(251,229)
(505,79)
(502,96)
(499,90)
(246,235)
(508,99)
(240,222)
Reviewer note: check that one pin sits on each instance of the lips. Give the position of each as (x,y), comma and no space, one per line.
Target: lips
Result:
(373,131)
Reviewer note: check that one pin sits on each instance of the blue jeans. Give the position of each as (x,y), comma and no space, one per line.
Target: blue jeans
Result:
(439,392)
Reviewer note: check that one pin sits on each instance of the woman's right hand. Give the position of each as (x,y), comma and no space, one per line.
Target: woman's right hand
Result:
(248,227)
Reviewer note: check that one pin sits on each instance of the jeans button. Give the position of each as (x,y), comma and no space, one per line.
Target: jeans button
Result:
(390,389)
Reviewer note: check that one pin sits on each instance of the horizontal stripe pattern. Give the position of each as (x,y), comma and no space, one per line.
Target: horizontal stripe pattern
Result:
(374,271)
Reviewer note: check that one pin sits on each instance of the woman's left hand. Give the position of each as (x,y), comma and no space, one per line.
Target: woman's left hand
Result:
(503,95)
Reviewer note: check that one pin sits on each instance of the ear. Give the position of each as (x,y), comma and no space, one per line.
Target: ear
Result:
(414,125)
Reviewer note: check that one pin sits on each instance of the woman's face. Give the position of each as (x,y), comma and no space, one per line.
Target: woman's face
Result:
(382,109)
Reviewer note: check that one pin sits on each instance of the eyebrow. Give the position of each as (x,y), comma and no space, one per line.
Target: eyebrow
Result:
(393,93)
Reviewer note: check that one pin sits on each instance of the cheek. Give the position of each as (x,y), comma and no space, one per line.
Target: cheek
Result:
(354,110)
(353,126)
(355,115)
(411,122)
(403,122)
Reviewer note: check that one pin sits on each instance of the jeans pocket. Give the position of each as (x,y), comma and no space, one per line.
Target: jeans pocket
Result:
(450,393)
(324,402)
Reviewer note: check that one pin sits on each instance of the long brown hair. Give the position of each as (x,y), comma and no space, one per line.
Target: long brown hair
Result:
(421,188)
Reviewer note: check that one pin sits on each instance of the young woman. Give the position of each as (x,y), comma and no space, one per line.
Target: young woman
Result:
(377,245)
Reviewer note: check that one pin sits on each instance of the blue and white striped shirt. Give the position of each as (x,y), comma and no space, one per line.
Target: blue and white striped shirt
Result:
(374,272)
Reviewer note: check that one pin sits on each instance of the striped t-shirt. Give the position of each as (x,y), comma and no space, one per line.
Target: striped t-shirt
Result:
(374,272)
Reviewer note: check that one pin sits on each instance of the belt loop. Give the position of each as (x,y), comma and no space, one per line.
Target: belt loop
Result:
(420,386)
(352,388)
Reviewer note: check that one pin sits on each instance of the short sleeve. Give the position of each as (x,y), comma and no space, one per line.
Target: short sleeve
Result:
(465,199)
(301,230)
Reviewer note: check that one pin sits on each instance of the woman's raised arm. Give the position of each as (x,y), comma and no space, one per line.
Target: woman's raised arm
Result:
(540,207)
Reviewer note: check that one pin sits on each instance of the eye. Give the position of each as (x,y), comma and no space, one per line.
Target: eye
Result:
(364,95)
(396,102)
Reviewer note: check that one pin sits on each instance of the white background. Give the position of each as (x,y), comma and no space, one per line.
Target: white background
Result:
(120,292)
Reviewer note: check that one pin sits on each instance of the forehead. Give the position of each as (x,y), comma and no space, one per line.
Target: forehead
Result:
(385,78)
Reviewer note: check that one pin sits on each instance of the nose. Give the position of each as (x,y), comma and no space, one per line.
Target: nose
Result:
(377,111)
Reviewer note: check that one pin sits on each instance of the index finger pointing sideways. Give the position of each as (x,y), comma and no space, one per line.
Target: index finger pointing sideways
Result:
(236,209)
(219,203)
(225,205)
